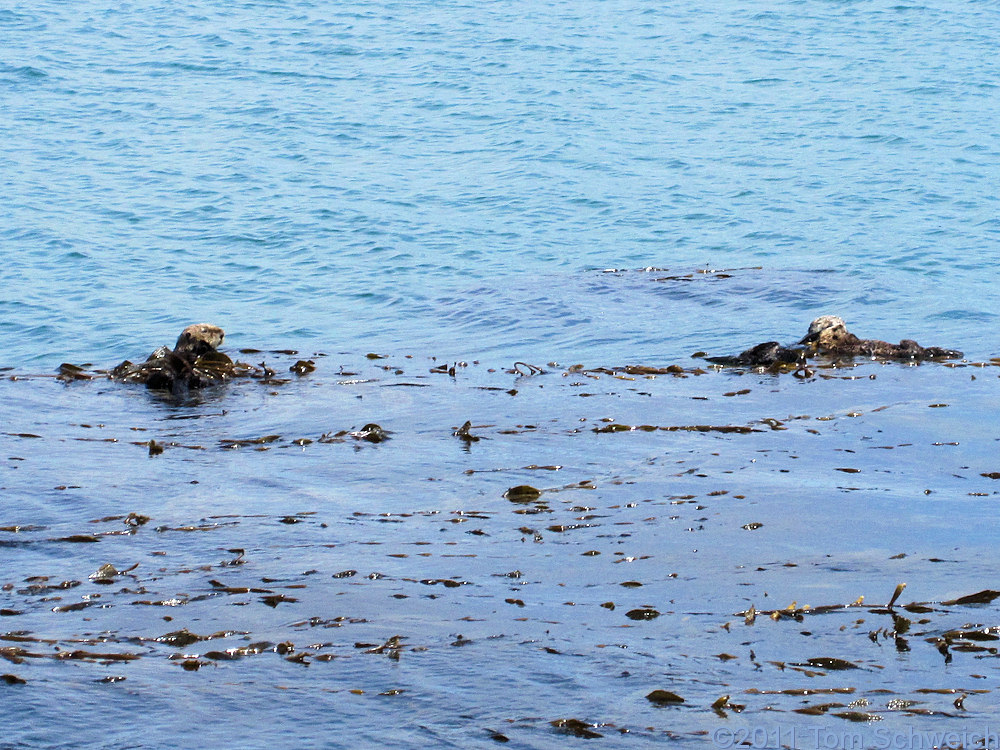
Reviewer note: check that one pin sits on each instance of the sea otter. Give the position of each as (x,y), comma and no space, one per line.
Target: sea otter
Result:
(765,355)
(194,362)
(828,335)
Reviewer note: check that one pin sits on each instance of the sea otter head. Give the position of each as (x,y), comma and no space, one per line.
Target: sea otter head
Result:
(199,339)
(827,332)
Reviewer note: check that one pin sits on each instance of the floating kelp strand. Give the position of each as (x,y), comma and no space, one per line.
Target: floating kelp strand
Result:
(446,582)
(529,369)
(155,448)
(224,589)
(576,728)
(371,433)
(522,493)
(242,442)
(664,698)
(196,527)
(642,613)
(827,662)
(980,597)
(230,654)
(982,634)
(184,637)
(676,370)
(390,647)
(614,427)
(38,586)
(173,602)
(273,600)
(77,606)
(69,373)
(79,538)
(559,528)
(17,655)
(107,573)
(91,656)
(858,716)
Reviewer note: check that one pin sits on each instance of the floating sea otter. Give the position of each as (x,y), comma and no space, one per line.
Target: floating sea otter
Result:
(829,335)
(768,354)
(195,362)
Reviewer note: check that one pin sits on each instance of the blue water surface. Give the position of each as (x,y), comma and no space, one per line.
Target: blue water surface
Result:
(448,176)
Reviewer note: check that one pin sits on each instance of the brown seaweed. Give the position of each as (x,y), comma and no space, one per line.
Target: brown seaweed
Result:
(615,427)
(664,698)
(522,493)
(576,728)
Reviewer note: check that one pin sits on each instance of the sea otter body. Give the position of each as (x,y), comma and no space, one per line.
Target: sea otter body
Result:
(765,355)
(828,335)
(194,362)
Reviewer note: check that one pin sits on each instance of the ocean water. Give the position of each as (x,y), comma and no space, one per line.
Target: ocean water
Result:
(437,175)
(475,185)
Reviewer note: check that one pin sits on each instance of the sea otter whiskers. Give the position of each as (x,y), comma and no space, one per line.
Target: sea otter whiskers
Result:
(194,362)
(828,335)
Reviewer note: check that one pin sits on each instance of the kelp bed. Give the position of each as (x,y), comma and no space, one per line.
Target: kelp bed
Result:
(425,553)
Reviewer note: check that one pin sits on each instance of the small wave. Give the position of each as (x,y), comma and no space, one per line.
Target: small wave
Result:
(879,138)
(926,90)
(23,71)
(977,316)
(169,66)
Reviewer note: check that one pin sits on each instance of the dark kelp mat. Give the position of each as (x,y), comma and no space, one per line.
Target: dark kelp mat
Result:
(535,553)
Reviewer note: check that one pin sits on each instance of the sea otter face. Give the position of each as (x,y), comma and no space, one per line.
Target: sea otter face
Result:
(200,338)
(827,332)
